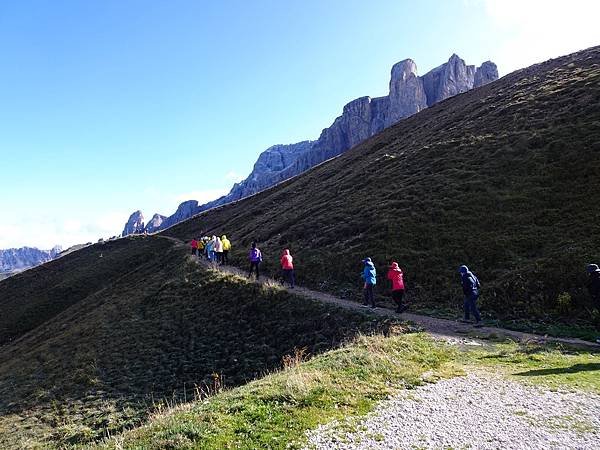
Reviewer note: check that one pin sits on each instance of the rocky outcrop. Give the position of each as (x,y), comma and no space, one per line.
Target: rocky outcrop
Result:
(360,119)
(155,223)
(185,210)
(485,74)
(17,259)
(134,225)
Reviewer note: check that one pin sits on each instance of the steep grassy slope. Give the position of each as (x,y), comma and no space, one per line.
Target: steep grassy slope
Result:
(115,337)
(504,178)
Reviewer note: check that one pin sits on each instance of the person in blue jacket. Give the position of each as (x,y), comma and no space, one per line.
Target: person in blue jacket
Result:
(369,275)
(471,287)
(210,250)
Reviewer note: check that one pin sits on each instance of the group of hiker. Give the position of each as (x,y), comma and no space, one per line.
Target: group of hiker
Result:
(214,249)
(469,282)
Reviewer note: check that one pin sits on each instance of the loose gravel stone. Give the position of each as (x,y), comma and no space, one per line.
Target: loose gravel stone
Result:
(472,412)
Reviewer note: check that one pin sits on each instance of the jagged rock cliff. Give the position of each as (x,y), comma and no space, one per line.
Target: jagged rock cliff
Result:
(360,119)
(135,224)
(185,210)
(365,117)
(16,259)
(155,223)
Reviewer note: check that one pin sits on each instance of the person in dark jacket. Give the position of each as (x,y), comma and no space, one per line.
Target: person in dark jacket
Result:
(471,286)
(369,275)
(593,286)
(255,257)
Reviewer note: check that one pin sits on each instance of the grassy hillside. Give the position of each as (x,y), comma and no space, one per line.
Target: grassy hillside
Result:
(504,178)
(92,345)
(276,411)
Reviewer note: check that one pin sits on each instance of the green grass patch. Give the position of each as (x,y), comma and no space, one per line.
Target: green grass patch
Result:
(550,366)
(275,412)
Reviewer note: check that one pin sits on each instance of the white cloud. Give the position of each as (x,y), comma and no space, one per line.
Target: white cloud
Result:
(46,232)
(532,31)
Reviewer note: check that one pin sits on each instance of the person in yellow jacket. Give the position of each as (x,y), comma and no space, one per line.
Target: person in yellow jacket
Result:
(201,247)
(226,247)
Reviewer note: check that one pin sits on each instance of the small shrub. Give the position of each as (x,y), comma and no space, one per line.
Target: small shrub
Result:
(564,304)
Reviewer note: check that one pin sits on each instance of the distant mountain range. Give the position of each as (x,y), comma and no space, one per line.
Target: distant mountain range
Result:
(360,119)
(17,259)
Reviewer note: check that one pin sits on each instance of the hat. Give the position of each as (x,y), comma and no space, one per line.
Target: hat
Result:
(592,268)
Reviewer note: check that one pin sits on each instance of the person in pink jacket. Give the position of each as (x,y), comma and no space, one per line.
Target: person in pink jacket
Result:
(287,267)
(396,276)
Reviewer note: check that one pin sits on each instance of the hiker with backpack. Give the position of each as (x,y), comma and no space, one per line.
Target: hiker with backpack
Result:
(369,276)
(593,285)
(396,276)
(194,246)
(210,250)
(471,289)
(255,257)
(287,267)
(219,250)
(226,248)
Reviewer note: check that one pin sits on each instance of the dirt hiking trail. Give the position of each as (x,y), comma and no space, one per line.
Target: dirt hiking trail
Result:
(452,331)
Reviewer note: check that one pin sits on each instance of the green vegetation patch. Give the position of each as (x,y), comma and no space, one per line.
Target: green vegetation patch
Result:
(276,411)
(551,366)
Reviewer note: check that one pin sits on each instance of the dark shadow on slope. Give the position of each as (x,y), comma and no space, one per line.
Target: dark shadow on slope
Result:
(561,370)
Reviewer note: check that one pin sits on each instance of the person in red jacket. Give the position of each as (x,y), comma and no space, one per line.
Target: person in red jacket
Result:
(287,267)
(194,245)
(396,276)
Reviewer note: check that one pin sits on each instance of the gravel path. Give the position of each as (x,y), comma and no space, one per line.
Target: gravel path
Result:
(477,412)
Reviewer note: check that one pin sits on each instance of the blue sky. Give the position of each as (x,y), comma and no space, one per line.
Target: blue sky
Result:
(109,106)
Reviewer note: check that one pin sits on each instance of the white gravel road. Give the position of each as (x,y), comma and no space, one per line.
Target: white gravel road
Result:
(476,412)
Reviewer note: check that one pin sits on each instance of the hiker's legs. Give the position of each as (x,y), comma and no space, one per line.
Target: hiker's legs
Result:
(473,307)
(225,256)
(397,297)
(288,275)
(254,265)
(292,278)
(369,296)
(193,251)
(467,308)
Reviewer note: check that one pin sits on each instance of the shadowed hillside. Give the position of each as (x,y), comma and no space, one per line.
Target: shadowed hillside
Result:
(503,178)
(92,345)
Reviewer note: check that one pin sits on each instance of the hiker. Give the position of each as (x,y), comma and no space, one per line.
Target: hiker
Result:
(593,286)
(471,286)
(287,267)
(219,250)
(255,257)
(396,276)
(194,245)
(213,249)
(201,245)
(209,250)
(226,248)
(369,275)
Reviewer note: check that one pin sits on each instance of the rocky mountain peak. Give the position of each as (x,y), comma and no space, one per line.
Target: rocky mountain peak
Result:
(361,118)
(402,70)
(135,224)
(155,223)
